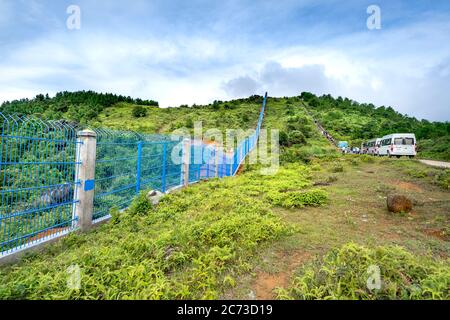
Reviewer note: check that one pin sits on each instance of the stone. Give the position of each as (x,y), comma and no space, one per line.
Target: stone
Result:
(154,196)
(399,203)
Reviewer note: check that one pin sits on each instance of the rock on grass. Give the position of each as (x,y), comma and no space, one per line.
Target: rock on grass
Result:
(399,203)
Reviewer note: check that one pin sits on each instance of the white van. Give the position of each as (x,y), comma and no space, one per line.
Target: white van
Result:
(398,144)
(373,146)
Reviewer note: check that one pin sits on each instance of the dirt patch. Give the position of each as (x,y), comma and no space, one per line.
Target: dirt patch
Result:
(436,233)
(266,282)
(408,186)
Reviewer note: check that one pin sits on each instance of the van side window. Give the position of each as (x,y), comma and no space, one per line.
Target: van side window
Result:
(398,141)
(409,141)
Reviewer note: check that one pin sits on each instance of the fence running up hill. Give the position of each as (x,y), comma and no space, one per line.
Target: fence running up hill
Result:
(39,174)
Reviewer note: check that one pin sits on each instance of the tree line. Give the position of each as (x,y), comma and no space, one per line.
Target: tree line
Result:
(79,106)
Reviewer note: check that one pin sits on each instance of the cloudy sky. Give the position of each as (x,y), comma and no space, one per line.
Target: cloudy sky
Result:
(193,51)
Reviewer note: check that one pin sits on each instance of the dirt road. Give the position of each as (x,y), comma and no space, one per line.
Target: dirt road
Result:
(434,163)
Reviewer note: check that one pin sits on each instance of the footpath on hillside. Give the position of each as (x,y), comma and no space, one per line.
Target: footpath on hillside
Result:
(321,129)
(437,164)
(329,137)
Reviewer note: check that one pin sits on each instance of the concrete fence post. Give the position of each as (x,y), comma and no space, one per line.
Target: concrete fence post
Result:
(86,156)
(186,161)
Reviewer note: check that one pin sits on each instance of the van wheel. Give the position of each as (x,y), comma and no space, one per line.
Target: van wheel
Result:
(398,157)
(411,157)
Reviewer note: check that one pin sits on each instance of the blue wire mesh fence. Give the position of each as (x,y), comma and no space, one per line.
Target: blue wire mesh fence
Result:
(38,173)
(128,163)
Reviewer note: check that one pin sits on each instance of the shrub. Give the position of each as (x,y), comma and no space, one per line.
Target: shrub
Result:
(344,273)
(296,155)
(366,158)
(337,167)
(284,139)
(417,173)
(442,179)
(189,123)
(332,178)
(139,112)
(295,199)
(296,137)
(140,205)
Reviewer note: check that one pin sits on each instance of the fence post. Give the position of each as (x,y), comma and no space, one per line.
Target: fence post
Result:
(138,169)
(163,176)
(84,208)
(186,160)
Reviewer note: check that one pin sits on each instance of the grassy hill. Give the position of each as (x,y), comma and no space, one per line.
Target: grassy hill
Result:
(292,235)
(345,119)
(355,122)
(222,115)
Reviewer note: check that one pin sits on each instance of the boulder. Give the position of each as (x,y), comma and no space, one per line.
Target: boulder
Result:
(398,203)
(154,196)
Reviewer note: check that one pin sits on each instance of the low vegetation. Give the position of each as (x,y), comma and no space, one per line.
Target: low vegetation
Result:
(190,246)
(344,273)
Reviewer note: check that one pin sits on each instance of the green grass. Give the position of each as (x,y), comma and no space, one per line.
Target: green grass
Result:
(190,246)
(344,273)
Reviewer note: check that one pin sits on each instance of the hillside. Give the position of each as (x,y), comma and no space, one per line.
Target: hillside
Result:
(236,114)
(355,122)
(345,119)
(292,235)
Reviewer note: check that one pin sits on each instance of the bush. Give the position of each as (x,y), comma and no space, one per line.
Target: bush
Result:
(344,274)
(139,112)
(296,155)
(140,204)
(442,179)
(332,178)
(296,137)
(295,199)
(337,167)
(284,139)
(189,123)
(417,173)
